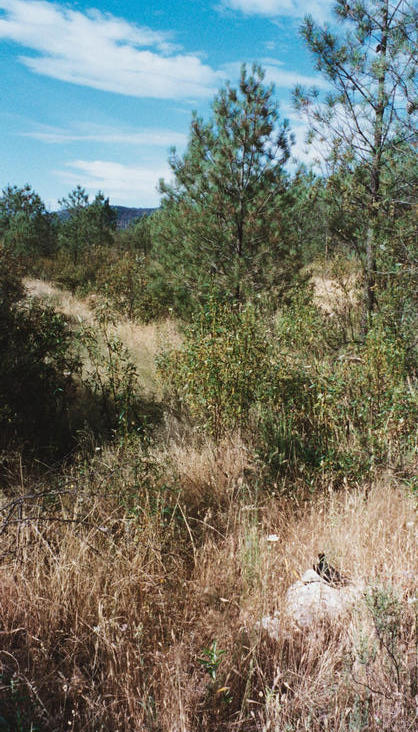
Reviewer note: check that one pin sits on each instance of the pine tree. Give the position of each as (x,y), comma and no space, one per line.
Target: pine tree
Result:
(25,225)
(85,224)
(368,114)
(220,225)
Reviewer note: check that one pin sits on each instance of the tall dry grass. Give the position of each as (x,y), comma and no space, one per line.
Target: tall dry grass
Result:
(122,572)
(112,591)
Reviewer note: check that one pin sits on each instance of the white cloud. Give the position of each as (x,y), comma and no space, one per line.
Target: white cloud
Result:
(302,152)
(320,9)
(278,75)
(124,184)
(108,135)
(288,79)
(98,50)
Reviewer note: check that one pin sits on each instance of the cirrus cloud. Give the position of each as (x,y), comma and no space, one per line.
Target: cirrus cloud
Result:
(320,9)
(101,51)
(94,133)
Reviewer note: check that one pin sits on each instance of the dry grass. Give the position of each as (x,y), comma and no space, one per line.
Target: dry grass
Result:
(105,613)
(336,289)
(333,296)
(62,300)
(140,558)
(144,342)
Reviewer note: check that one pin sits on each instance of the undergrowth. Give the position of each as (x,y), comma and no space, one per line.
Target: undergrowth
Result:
(134,574)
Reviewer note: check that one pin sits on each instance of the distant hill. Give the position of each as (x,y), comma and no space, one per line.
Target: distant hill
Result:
(127,215)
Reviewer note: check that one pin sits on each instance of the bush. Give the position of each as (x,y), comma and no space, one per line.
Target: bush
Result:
(224,367)
(313,404)
(80,276)
(110,373)
(35,369)
(126,282)
(339,409)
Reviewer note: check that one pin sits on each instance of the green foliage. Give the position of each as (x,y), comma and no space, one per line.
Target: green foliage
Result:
(125,279)
(85,225)
(315,403)
(385,671)
(137,237)
(223,368)
(26,227)
(366,120)
(337,410)
(386,611)
(18,706)
(220,225)
(36,366)
(304,214)
(211,659)
(110,373)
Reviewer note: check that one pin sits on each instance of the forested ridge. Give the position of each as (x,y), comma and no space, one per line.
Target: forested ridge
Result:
(195,405)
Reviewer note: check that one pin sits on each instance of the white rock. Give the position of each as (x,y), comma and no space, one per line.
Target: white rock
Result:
(309,600)
(311,576)
(312,599)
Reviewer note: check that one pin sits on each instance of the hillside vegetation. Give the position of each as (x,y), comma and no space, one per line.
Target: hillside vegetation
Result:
(195,407)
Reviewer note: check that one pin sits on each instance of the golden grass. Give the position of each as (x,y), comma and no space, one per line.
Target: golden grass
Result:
(336,286)
(141,558)
(62,300)
(105,615)
(333,297)
(144,341)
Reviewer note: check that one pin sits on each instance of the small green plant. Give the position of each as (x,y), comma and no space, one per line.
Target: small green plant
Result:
(211,659)
(386,611)
(381,669)
(17,706)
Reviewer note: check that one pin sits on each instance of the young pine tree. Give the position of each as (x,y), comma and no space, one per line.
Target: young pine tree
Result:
(85,225)
(220,225)
(26,227)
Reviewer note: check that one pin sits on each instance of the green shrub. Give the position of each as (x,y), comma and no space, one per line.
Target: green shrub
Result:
(35,369)
(224,367)
(110,374)
(126,282)
(383,670)
(310,404)
(339,410)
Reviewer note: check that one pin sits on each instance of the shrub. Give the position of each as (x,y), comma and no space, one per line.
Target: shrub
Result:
(224,367)
(110,374)
(126,282)
(35,369)
(344,411)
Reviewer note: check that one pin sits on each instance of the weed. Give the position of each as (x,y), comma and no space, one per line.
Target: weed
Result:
(211,659)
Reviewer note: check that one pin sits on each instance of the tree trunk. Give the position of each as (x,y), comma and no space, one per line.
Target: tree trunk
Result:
(371,241)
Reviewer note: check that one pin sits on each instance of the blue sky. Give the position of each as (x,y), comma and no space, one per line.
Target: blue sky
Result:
(96,93)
